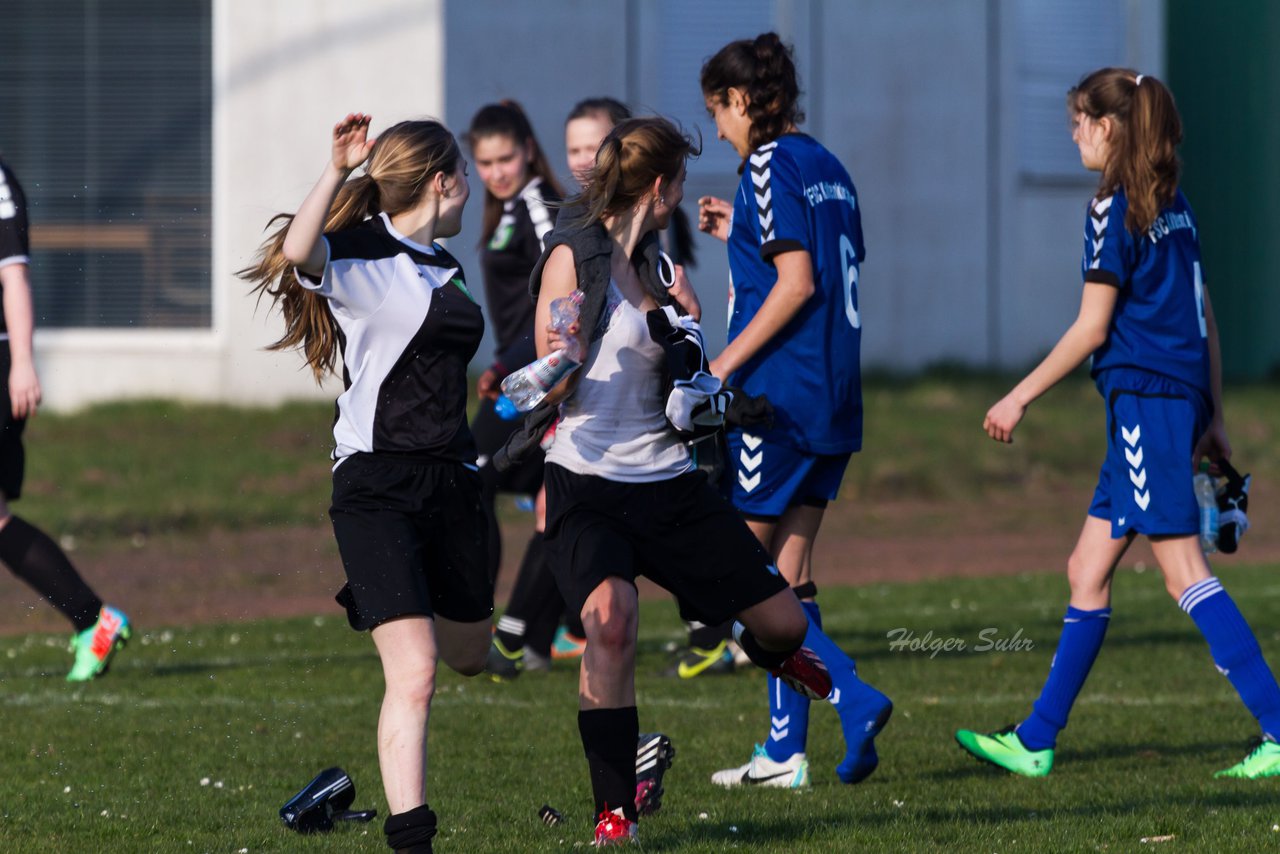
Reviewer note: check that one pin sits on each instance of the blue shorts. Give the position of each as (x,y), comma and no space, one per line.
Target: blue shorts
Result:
(1153,424)
(763,479)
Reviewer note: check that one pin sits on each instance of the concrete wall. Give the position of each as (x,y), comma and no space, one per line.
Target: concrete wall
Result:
(284,72)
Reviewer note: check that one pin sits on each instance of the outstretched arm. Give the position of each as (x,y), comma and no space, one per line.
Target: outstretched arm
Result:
(1085,335)
(303,247)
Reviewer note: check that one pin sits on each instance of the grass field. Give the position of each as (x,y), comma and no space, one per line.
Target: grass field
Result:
(198,736)
(200,733)
(139,468)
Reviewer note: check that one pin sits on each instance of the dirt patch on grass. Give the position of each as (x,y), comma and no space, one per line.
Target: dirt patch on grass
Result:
(232,576)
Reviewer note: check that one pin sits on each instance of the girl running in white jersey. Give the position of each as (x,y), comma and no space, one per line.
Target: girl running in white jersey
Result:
(359,278)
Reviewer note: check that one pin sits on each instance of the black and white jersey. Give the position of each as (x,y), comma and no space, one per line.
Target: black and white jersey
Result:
(14,248)
(409,329)
(507,261)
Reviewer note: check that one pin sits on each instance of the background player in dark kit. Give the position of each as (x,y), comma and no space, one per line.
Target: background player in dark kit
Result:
(795,241)
(376,290)
(623,496)
(1147,321)
(521,198)
(29,553)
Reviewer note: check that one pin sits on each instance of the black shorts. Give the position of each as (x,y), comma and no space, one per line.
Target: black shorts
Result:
(412,536)
(680,533)
(13,457)
(491,432)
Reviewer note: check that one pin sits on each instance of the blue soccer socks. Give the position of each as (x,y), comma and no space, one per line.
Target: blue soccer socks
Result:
(789,709)
(1235,650)
(862,709)
(788,721)
(1082,635)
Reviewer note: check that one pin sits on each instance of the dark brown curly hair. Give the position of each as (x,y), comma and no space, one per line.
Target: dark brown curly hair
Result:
(762,68)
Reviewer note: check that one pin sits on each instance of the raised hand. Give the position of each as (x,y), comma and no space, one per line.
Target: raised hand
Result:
(714,216)
(351,145)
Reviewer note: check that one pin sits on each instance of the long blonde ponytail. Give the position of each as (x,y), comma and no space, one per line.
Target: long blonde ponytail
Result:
(396,175)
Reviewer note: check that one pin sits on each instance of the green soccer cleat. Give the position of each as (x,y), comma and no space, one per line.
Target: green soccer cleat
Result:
(1004,749)
(1262,761)
(96,645)
(567,645)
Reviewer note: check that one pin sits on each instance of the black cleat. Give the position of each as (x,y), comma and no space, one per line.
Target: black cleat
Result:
(653,757)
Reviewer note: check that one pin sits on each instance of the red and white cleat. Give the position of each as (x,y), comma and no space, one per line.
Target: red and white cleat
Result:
(805,673)
(614,828)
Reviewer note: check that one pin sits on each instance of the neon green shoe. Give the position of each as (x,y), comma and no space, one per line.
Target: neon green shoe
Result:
(96,645)
(1262,761)
(1004,749)
(695,661)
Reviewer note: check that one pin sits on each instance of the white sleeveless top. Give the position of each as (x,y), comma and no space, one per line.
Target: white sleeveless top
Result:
(614,426)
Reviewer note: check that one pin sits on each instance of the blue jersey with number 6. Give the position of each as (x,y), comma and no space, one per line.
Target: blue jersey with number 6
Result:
(795,195)
(1159,322)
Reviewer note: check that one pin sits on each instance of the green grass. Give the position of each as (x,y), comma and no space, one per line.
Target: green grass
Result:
(149,467)
(156,467)
(198,736)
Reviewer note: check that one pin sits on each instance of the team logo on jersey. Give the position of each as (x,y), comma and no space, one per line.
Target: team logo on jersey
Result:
(1099,212)
(502,234)
(1137,472)
(760,179)
(749,460)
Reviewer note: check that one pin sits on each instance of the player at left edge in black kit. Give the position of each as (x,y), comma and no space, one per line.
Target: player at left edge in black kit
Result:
(100,630)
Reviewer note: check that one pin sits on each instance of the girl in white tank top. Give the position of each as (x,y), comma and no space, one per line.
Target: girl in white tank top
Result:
(614,425)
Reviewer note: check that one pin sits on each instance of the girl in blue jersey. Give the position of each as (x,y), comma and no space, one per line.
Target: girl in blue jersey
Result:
(1147,321)
(795,241)
(359,277)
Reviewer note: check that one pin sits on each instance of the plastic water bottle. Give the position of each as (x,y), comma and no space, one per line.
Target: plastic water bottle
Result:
(564,313)
(1207,498)
(528,386)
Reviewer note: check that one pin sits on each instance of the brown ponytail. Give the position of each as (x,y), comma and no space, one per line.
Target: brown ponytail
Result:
(631,157)
(1142,151)
(764,69)
(396,175)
